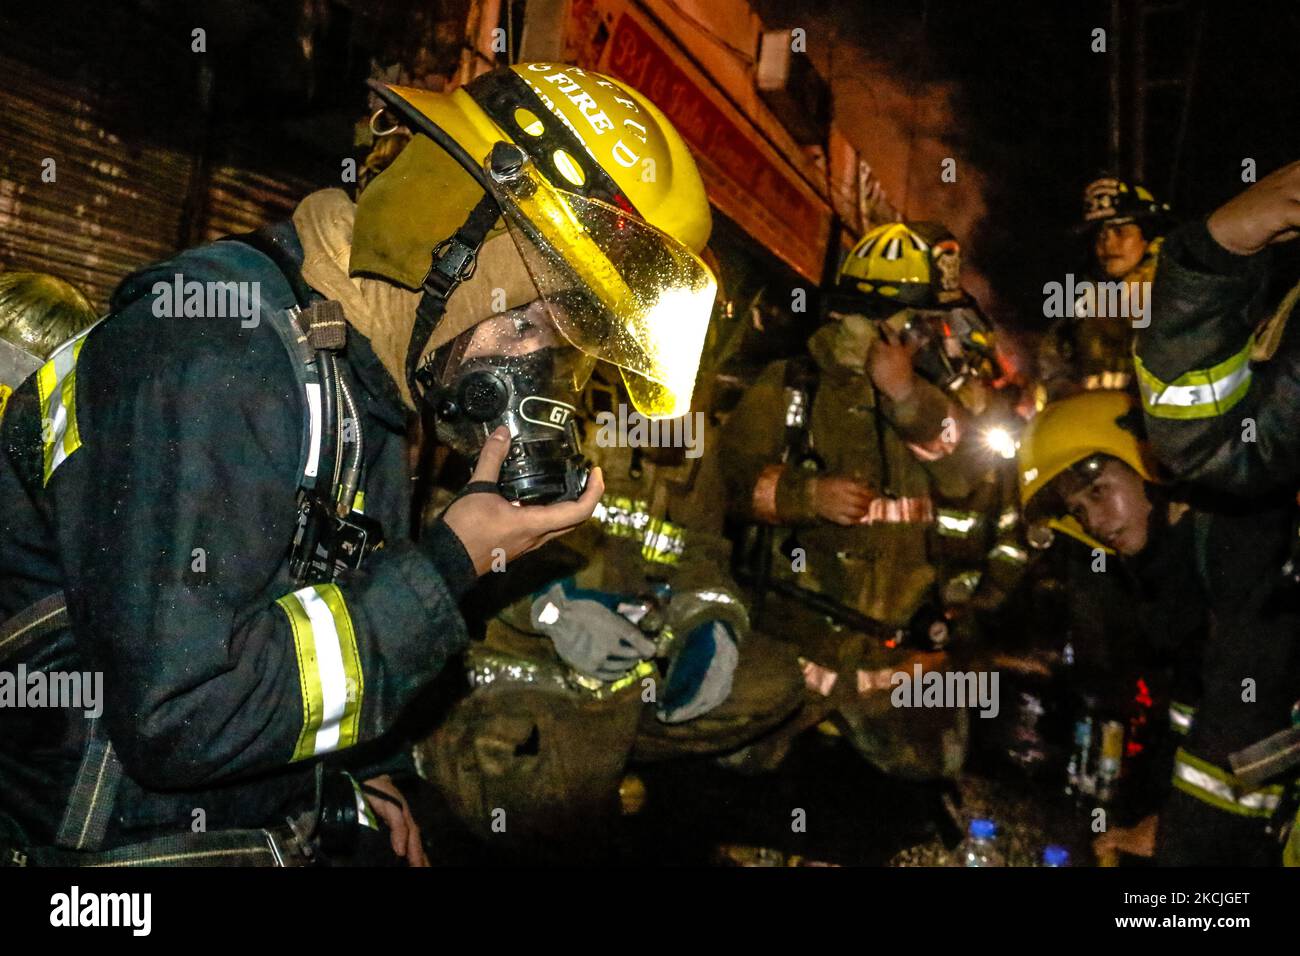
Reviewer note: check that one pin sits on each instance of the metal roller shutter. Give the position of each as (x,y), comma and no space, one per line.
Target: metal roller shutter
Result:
(239,200)
(113,206)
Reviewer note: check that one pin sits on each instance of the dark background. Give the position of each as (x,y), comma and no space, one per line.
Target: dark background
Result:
(281,90)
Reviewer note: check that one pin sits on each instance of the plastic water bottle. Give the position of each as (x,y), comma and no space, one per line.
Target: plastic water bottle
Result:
(1054,855)
(979,848)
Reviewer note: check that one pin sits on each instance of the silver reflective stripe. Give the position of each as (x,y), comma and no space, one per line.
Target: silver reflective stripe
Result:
(1200,393)
(1008,519)
(329,666)
(314,411)
(56,386)
(365,816)
(1180,718)
(956,522)
(1257,802)
(1009,552)
(718,597)
(794,409)
(330,675)
(1205,393)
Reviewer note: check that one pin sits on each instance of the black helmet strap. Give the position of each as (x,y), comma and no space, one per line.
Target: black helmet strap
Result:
(453,263)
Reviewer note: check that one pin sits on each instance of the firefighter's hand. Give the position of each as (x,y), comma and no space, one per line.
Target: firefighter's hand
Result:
(1267,212)
(402,828)
(1137,840)
(889,363)
(841,500)
(486,522)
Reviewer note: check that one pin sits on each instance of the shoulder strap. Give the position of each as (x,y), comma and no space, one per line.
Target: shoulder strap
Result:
(279,244)
(31,624)
(801,380)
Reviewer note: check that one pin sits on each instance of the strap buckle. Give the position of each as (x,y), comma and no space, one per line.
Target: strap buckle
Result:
(453,262)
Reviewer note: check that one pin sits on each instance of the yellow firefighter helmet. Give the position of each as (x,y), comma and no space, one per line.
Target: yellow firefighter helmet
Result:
(1070,431)
(911,264)
(597,189)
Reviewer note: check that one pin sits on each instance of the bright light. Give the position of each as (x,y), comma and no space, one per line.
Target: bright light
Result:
(1000,441)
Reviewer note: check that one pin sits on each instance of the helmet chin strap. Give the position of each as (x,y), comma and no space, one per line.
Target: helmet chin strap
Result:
(453,263)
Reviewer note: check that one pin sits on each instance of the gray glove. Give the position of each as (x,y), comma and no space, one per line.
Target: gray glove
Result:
(588,636)
(701,674)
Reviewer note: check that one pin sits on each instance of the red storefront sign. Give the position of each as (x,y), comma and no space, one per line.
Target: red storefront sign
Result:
(771,204)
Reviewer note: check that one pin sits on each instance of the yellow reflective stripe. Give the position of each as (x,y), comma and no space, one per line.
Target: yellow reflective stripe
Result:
(664,542)
(71,437)
(644,669)
(1291,854)
(329,669)
(308,679)
(56,387)
(5,392)
(350,658)
(1200,393)
(1220,789)
(622,517)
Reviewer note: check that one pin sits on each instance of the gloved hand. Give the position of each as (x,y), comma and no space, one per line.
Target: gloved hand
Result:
(700,676)
(589,635)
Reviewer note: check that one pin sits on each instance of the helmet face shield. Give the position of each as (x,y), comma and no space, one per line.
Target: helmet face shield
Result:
(617,289)
(16,364)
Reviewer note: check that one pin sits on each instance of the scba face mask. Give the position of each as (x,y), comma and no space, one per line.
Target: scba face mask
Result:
(955,345)
(514,369)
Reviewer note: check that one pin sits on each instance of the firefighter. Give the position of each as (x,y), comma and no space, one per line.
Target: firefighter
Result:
(209,490)
(1217,367)
(836,458)
(1197,583)
(627,642)
(980,545)
(37,314)
(1091,348)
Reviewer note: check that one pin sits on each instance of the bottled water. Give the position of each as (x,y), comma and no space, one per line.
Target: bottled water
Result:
(1054,855)
(980,847)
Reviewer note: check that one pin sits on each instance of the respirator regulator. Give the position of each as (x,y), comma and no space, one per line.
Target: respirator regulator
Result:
(512,370)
